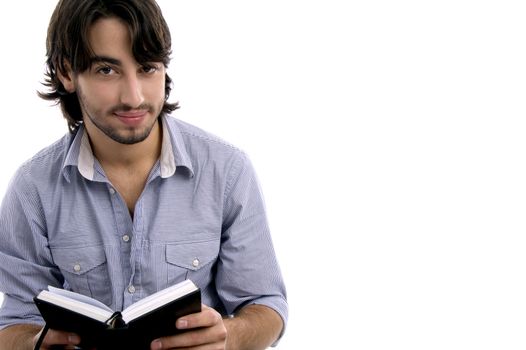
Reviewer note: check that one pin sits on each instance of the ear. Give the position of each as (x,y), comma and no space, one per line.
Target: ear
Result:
(66,78)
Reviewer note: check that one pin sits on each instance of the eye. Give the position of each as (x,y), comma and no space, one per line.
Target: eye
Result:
(149,68)
(104,70)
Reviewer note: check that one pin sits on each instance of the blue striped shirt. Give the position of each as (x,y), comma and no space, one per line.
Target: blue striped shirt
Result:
(200,216)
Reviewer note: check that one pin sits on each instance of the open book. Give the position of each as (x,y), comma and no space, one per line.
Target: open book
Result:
(132,328)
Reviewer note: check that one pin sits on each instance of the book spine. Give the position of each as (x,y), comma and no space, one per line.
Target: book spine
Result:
(116,321)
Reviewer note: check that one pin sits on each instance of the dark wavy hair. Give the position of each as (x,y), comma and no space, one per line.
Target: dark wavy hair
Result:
(67,42)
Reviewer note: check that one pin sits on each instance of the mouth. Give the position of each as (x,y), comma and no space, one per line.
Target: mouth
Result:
(131,117)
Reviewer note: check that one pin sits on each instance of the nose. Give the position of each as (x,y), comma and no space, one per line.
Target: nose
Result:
(131,91)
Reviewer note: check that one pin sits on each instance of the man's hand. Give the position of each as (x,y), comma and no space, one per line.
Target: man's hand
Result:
(25,337)
(254,327)
(206,330)
(53,337)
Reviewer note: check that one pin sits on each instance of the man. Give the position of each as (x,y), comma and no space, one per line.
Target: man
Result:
(132,200)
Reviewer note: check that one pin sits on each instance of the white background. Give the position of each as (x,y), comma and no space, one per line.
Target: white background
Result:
(388,137)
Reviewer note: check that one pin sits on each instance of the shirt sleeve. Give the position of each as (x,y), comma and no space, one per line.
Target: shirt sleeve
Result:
(25,260)
(247,270)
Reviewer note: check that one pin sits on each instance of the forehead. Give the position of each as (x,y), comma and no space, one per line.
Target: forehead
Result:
(109,37)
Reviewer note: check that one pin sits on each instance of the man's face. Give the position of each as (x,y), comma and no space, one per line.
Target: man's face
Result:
(118,96)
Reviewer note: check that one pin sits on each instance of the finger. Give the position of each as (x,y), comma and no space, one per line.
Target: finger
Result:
(202,338)
(54,337)
(208,317)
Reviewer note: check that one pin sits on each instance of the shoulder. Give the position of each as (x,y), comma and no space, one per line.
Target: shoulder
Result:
(47,162)
(194,134)
(209,154)
(199,143)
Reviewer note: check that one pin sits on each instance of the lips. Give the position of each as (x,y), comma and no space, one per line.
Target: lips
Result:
(131,114)
(131,118)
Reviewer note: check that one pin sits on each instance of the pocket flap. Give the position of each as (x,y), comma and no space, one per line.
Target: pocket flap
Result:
(79,260)
(192,255)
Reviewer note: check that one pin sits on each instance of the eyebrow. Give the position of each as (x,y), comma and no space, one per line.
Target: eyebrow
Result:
(104,59)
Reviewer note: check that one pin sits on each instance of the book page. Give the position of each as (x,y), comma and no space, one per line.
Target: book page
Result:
(79,297)
(158,299)
(74,305)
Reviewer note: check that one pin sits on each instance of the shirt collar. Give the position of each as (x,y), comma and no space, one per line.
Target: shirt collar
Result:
(173,153)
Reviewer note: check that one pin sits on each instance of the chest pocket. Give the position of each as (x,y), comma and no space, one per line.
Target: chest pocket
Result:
(191,260)
(85,270)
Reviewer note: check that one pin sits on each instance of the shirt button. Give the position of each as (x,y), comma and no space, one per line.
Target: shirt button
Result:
(112,190)
(131,289)
(126,238)
(195,263)
(76,267)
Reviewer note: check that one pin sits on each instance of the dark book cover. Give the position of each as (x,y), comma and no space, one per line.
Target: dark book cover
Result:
(115,333)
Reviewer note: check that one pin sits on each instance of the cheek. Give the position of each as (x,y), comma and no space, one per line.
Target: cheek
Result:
(155,89)
(99,96)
